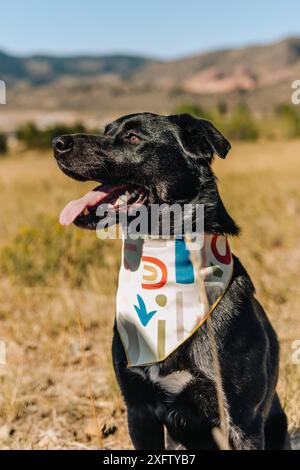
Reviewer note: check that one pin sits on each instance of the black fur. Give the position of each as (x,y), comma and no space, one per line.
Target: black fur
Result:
(171,157)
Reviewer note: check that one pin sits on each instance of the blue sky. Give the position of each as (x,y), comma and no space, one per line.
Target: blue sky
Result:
(162,28)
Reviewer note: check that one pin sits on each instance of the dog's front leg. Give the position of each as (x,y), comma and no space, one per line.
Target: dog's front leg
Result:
(145,430)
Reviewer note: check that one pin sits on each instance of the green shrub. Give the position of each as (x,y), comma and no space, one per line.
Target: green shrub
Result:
(3,143)
(29,134)
(241,125)
(194,110)
(33,137)
(222,108)
(289,121)
(46,253)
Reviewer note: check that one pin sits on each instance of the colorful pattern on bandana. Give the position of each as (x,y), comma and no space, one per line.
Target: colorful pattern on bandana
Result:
(159,302)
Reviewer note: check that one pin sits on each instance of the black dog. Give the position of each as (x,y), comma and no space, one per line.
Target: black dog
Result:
(167,159)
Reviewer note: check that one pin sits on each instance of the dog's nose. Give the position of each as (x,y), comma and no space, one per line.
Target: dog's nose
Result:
(63,144)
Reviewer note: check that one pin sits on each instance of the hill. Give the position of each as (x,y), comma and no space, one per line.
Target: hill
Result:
(103,87)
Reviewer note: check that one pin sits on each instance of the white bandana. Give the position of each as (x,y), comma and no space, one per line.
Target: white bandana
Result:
(162,299)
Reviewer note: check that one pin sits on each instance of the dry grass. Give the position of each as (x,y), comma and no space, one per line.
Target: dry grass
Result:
(53,366)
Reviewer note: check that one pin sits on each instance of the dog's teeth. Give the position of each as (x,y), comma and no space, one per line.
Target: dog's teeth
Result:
(86,211)
(123,197)
(127,194)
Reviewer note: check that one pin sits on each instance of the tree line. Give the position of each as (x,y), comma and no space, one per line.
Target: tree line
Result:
(238,124)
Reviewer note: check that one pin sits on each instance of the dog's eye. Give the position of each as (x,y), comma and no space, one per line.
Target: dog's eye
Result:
(133,138)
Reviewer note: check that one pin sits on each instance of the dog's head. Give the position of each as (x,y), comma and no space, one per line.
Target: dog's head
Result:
(151,159)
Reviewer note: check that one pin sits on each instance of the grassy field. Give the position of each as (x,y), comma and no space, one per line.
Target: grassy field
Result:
(57,289)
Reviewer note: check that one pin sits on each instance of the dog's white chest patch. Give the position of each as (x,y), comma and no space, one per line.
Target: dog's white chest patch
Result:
(173,383)
(162,300)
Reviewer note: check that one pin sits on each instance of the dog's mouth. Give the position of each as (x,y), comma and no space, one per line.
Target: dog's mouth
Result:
(113,199)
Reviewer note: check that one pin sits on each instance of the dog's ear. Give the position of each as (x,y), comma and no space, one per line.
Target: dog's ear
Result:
(200,138)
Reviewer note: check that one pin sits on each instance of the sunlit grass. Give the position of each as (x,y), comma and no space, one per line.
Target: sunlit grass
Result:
(52,276)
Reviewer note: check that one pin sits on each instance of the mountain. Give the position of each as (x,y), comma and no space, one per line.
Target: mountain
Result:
(40,69)
(218,71)
(47,88)
(227,70)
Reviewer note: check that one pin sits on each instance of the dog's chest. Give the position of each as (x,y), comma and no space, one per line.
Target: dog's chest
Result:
(167,391)
(162,300)
(173,383)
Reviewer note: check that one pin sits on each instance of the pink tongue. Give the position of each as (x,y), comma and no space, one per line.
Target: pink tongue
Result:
(75,208)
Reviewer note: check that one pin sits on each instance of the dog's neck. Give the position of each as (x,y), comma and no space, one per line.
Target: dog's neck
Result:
(218,221)
(164,296)
(216,217)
